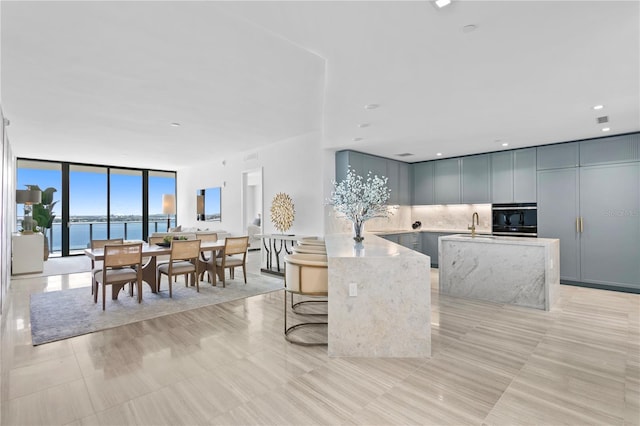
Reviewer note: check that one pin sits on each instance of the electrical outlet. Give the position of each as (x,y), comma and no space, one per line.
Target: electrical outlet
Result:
(353,289)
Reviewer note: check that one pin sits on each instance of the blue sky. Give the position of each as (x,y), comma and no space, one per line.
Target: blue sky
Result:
(89,191)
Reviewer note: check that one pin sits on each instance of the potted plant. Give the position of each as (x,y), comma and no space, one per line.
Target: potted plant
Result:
(43,214)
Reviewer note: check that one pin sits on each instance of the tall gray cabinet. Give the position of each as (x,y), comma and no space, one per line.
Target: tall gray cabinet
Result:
(589,198)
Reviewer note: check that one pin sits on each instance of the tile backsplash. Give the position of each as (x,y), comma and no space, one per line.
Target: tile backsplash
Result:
(399,220)
(452,216)
(449,217)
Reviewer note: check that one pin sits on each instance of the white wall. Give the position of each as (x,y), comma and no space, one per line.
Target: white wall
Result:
(299,167)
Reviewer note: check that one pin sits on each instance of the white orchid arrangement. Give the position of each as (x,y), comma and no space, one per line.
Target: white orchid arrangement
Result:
(360,199)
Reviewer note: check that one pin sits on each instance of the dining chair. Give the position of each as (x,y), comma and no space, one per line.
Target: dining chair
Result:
(183,260)
(235,254)
(96,265)
(122,264)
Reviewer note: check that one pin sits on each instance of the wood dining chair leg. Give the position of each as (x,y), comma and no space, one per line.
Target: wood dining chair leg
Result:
(244,272)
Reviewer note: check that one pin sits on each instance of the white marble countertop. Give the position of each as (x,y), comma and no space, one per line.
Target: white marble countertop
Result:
(409,231)
(343,245)
(491,239)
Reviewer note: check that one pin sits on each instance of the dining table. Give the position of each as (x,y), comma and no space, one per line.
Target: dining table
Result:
(153,251)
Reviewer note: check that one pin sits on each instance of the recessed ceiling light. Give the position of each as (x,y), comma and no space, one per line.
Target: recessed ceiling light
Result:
(357,139)
(442,3)
(505,144)
(361,125)
(371,106)
(598,107)
(175,124)
(439,154)
(605,129)
(469,28)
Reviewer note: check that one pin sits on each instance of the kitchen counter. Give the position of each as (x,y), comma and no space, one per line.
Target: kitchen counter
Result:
(444,231)
(379,299)
(515,270)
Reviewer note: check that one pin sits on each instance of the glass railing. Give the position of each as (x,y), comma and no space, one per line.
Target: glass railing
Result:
(81,233)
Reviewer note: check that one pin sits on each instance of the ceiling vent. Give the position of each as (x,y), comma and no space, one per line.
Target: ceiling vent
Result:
(253,156)
(404,154)
(603,119)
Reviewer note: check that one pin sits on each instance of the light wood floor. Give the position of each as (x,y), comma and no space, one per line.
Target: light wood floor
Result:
(229,364)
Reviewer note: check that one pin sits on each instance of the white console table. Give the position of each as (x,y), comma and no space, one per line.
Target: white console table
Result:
(27,253)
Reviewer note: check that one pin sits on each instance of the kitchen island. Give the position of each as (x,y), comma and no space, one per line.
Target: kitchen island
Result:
(379,299)
(515,270)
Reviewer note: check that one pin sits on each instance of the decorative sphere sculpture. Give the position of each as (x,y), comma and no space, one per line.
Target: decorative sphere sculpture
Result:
(282,212)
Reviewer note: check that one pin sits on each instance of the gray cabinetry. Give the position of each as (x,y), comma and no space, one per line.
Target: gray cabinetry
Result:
(447,181)
(404,183)
(616,149)
(524,175)
(476,180)
(423,188)
(397,172)
(610,228)
(513,176)
(430,245)
(595,212)
(502,177)
(410,240)
(558,156)
(558,216)
(399,182)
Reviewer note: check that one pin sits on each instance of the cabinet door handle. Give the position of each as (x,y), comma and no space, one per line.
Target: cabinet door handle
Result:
(577,225)
(581,224)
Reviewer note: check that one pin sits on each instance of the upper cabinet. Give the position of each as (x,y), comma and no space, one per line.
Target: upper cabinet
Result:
(524,175)
(616,149)
(396,172)
(593,152)
(558,156)
(476,182)
(423,189)
(513,176)
(446,174)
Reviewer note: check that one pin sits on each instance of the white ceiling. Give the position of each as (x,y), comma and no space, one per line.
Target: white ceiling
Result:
(100,82)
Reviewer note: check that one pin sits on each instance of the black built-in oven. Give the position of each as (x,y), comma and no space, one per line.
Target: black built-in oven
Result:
(515,219)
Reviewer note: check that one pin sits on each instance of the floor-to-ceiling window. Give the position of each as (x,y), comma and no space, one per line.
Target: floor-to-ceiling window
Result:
(160,183)
(98,202)
(125,206)
(45,175)
(88,205)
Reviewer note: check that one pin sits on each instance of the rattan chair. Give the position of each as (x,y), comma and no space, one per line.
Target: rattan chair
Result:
(122,264)
(182,261)
(96,265)
(235,255)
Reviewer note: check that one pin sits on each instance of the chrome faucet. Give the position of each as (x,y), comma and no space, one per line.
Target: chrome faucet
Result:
(475,220)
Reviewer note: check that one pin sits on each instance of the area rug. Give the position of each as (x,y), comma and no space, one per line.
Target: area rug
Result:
(62,314)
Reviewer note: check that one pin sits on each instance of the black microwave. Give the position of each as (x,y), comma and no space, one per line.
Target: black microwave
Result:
(515,219)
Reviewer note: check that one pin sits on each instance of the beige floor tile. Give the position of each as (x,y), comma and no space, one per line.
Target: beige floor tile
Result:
(166,406)
(36,377)
(56,405)
(117,387)
(121,415)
